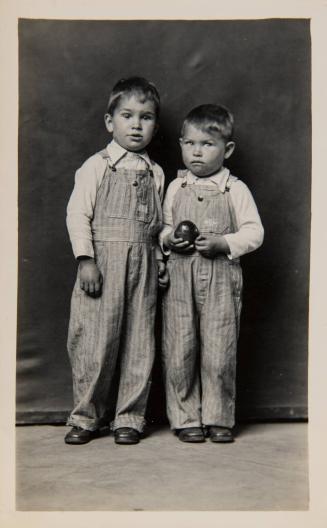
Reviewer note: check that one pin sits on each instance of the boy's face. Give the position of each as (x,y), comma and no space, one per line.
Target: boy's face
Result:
(204,151)
(133,122)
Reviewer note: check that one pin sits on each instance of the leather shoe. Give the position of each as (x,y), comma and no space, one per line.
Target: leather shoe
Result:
(78,436)
(191,434)
(220,434)
(126,435)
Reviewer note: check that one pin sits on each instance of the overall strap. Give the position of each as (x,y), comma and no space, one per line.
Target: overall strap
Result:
(182,173)
(149,168)
(231,179)
(104,155)
(156,194)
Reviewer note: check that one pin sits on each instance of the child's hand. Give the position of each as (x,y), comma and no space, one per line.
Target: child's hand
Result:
(178,244)
(163,275)
(90,277)
(211,246)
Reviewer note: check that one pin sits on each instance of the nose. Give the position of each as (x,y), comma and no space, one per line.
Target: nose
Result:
(136,123)
(197,151)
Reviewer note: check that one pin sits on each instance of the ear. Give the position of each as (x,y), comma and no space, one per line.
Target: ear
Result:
(180,141)
(108,123)
(229,149)
(156,128)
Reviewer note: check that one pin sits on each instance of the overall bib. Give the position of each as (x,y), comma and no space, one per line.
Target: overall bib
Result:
(201,314)
(118,326)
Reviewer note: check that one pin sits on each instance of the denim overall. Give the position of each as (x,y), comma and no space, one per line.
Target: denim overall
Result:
(117,327)
(201,314)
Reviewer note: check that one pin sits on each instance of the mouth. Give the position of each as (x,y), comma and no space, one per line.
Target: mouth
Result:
(197,162)
(136,137)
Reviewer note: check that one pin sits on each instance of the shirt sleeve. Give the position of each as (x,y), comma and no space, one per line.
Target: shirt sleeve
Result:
(81,205)
(168,213)
(250,233)
(159,179)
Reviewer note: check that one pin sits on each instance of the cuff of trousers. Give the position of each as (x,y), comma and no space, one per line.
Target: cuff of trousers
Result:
(84,423)
(224,423)
(128,421)
(185,425)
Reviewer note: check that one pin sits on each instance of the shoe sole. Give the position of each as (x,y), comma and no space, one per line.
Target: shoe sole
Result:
(222,440)
(194,440)
(78,441)
(126,442)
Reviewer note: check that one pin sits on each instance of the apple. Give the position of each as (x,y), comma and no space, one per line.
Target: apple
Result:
(187,231)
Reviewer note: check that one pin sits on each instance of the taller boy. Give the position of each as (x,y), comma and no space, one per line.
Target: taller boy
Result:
(203,303)
(113,217)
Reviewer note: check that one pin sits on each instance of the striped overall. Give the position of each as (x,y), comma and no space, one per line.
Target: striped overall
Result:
(117,327)
(201,314)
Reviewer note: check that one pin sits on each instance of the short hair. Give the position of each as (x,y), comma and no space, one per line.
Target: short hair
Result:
(133,86)
(213,118)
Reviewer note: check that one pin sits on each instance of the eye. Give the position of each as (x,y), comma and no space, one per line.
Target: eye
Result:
(148,117)
(208,144)
(126,115)
(187,142)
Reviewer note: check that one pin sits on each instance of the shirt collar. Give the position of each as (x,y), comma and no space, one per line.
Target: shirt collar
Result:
(219,178)
(116,153)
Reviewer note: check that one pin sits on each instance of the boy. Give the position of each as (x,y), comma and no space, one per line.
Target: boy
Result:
(201,308)
(113,217)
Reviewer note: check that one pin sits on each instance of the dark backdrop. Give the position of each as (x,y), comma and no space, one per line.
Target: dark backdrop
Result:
(261,70)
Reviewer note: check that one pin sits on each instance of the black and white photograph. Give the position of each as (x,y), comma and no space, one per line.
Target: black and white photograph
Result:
(165,327)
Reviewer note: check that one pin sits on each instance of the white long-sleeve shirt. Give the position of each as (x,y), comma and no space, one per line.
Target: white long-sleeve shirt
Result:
(250,232)
(87,182)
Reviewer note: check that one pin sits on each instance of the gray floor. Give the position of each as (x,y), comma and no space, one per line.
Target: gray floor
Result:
(265,469)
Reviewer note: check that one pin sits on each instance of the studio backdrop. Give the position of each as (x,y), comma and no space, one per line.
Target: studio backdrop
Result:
(260,69)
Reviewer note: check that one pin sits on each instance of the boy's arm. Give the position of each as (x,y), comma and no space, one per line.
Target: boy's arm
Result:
(167,217)
(81,206)
(163,278)
(159,179)
(250,233)
(79,216)
(167,239)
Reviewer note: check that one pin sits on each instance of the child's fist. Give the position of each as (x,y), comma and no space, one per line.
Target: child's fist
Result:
(179,245)
(163,276)
(210,245)
(90,277)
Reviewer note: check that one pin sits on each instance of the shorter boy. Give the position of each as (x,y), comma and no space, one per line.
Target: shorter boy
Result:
(201,308)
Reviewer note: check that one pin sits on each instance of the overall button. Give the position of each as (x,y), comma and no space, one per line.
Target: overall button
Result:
(135,183)
(184,184)
(200,198)
(113,169)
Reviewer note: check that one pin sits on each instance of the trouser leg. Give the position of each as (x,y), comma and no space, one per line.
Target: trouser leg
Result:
(180,348)
(219,331)
(137,346)
(94,337)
